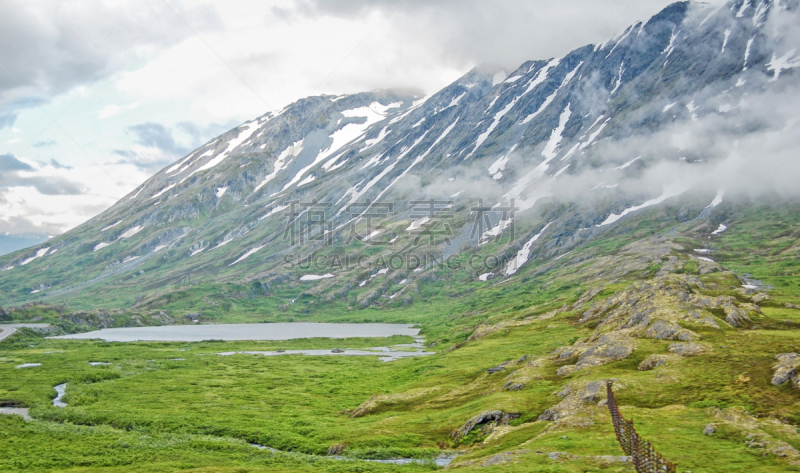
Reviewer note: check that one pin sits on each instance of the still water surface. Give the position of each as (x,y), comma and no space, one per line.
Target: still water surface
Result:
(237,332)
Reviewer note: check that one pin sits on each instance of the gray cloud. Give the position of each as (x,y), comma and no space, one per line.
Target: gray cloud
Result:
(47,185)
(58,165)
(24,226)
(47,49)
(10,176)
(201,134)
(156,135)
(8,163)
(161,148)
(44,144)
(502,32)
(7,119)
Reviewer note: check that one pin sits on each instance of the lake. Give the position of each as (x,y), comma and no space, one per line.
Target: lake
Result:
(243,332)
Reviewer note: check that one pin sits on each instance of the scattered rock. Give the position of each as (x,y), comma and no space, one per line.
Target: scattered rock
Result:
(706,267)
(652,362)
(609,460)
(737,317)
(786,369)
(586,297)
(510,386)
(336,449)
(710,429)
(664,330)
(687,349)
(556,456)
(598,352)
(709,322)
(567,370)
(756,435)
(490,418)
(760,297)
(379,400)
(495,369)
(498,459)
(575,400)
(789,305)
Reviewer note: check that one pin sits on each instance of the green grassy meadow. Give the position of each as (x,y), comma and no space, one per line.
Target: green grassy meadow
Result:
(170,407)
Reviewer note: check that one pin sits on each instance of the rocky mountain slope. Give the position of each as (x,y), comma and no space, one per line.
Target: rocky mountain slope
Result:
(531,165)
(626,213)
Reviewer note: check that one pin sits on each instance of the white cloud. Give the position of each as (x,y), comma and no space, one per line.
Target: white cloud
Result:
(111,110)
(153,68)
(26,208)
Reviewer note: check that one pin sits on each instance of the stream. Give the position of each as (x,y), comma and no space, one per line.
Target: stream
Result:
(61,391)
(442,460)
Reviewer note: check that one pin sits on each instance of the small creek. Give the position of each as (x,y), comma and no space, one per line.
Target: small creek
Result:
(20,411)
(392,353)
(442,460)
(61,391)
(385,353)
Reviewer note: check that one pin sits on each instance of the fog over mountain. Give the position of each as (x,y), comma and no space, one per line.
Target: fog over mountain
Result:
(697,105)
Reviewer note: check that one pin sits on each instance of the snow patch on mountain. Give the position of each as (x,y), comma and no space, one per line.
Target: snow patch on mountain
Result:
(743,9)
(541,76)
(131,232)
(567,79)
(780,64)
(595,134)
(500,165)
(162,191)
(747,52)
(374,113)
(39,253)
(232,144)
(524,254)
(717,200)
(281,163)
(307,180)
(373,141)
(669,192)
(279,208)
(315,277)
(100,246)
(627,165)
(725,41)
(111,226)
(549,151)
(248,254)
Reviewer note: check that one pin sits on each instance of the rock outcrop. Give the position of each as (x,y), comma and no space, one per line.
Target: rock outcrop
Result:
(652,362)
(575,400)
(786,369)
(488,419)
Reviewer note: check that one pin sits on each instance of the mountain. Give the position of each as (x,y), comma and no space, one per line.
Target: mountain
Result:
(628,213)
(527,167)
(10,244)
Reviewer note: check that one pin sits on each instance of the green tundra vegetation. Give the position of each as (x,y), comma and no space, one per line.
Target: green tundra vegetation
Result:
(692,353)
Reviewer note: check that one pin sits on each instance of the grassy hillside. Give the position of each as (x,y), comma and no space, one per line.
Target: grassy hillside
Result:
(686,343)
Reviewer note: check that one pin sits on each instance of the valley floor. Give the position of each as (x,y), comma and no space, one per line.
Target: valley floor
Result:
(703,366)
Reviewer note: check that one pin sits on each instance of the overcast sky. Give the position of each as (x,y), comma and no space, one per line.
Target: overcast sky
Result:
(97,96)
